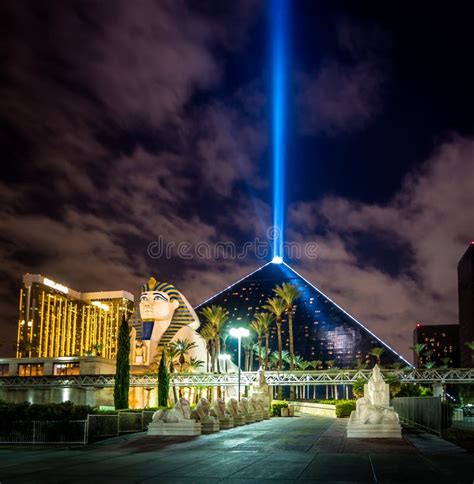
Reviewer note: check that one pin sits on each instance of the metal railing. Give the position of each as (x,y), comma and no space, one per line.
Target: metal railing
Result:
(432,414)
(44,432)
(274,378)
(74,431)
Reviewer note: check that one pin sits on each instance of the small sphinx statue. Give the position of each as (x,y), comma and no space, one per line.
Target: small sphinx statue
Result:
(174,421)
(373,417)
(255,409)
(201,414)
(218,410)
(245,410)
(232,408)
(259,406)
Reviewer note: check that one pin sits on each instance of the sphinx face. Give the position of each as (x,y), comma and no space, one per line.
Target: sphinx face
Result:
(156,306)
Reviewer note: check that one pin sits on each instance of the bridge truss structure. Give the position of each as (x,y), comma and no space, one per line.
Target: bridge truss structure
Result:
(273,378)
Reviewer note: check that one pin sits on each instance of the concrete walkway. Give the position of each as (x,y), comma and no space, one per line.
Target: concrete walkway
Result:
(286,450)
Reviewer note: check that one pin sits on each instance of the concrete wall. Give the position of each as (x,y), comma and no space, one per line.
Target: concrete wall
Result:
(94,397)
(314,408)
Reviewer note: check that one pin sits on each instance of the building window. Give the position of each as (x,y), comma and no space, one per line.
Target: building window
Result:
(61,369)
(27,369)
(4,367)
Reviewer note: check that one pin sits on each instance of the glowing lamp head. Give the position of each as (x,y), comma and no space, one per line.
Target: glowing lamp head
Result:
(277,260)
(239,332)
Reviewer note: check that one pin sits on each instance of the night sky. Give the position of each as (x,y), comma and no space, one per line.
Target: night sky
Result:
(122,122)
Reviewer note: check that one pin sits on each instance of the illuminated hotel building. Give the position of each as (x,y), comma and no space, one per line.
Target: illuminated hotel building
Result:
(57,321)
(322,330)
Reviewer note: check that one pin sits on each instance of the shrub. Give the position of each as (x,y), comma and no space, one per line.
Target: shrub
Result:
(344,408)
(11,412)
(277,405)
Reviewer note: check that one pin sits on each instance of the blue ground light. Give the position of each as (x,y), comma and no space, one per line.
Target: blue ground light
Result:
(278,33)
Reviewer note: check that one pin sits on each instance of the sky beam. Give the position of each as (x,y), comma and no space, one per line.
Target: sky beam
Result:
(278,14)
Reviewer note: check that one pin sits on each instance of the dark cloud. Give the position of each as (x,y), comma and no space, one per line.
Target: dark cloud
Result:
(427,217)
(345,93)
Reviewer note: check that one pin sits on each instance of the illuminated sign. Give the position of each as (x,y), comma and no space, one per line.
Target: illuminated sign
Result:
(55,285)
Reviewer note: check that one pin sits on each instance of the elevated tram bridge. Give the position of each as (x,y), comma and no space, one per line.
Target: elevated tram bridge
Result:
(431,376)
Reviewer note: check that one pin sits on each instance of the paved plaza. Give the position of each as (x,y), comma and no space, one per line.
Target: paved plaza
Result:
(282,450)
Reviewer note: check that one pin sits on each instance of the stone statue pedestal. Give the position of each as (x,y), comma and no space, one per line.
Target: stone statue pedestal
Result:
(178,428)
(201,414)
(218,411)
(210,427)
(239,420)
(175,421)
(373,417)
(356,430)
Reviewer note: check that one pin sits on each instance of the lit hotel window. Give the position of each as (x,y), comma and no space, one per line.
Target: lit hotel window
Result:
(61,369)
(27,369)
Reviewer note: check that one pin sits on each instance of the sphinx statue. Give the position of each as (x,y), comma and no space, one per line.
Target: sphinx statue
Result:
(246,411)
(167,316)
(201,414)
(259,407)
(255,409)
(232,408)
(174,421)
(218,411)
(373,417)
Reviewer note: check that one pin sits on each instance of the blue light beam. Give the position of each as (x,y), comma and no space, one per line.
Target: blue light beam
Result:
(278,14)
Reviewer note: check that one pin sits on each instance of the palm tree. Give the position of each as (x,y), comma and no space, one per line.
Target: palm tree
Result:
(286,356)
(265,321)
(277,306)
(207,335)
(417,349)
(331,364)
(316,364)
(446,361)
(259,328)
(194,363)
(274,360)
(288,293)
(247,348)
(377,352)
(429,364)
(470,345)
(182,347)
(216,317)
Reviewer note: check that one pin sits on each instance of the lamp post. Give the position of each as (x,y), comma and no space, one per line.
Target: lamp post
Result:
(238,333)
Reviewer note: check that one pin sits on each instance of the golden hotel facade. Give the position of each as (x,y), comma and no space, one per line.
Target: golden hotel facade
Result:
(57,321)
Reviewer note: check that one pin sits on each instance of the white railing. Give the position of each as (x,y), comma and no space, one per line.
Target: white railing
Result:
(274,378)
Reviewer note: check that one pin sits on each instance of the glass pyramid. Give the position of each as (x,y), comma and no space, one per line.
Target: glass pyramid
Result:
(322,329)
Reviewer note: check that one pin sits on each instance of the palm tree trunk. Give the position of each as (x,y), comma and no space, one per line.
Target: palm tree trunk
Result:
(290,332)
(266,350)
(280,347)
(259,340)
(246,360)
(292,353)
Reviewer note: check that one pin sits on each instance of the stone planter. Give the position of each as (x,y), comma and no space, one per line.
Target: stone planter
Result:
(284,412)
(291,411)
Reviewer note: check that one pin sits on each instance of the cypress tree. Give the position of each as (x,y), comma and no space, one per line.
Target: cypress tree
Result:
(122,374)
(163,382)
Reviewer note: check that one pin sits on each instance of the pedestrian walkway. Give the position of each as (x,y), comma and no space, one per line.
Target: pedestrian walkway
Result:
(282,450)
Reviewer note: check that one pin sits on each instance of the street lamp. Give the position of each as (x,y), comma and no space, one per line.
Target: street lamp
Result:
(238,333)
